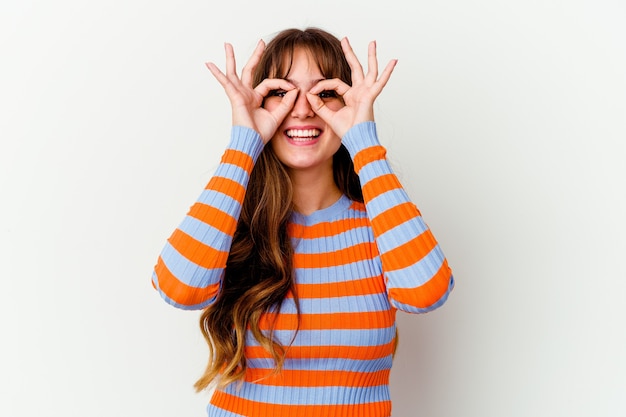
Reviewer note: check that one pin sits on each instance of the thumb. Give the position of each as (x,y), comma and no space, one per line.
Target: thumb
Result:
(320,108)
(286,104)
(327,115)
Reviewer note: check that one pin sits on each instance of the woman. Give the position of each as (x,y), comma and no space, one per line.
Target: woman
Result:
(304,244)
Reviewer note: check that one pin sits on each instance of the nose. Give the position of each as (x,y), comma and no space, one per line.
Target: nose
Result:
(301,108)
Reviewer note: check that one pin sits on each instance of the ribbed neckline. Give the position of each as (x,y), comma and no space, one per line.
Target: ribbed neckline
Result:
(323,215)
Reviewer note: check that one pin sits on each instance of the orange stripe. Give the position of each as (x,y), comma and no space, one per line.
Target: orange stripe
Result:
(427,294)
(336,352)
(354,253)
(364,286)
(210,215)
(179,291)
(393,217)
(316,378)
(256,409)
(409,253)
(326,229)
(380,185)
(367,155)
(330,321)
(357,206)
(241,159)
(228,187)
(197,252)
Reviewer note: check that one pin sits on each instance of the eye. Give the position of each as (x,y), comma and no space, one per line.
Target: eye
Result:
(277,93)
(327,94)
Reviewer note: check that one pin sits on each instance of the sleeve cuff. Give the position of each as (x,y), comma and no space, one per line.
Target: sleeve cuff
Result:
(246,140)
(360,136)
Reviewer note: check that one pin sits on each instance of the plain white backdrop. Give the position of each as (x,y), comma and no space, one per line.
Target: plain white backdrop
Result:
(505,120)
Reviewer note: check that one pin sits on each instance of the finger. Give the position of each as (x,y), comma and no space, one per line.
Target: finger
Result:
(320,108)
(231,67)
(219,75)
(248,69)
(372,62)
(353,61)
(334,84)
(285,106)
(386,74)
(226,83)
(270,84)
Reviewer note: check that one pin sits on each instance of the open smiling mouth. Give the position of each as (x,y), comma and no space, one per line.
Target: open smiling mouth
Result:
(302,135)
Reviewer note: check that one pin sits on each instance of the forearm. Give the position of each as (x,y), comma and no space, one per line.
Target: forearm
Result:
(416,271)
(190,266)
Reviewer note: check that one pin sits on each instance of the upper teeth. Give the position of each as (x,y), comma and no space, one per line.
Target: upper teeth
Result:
(303,133)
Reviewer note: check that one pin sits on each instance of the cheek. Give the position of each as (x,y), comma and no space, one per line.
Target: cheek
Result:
(335,143)
(335,104)
(270,103)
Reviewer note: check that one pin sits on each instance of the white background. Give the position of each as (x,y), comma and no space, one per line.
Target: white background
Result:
(505,120)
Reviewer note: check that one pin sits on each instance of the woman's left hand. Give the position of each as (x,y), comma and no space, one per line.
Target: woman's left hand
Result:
(358,98)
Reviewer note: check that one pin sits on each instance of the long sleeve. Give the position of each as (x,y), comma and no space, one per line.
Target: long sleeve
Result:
(190,267)
(416,272)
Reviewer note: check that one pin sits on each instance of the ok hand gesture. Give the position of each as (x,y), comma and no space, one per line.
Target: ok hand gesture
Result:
(358,98)
(246,101)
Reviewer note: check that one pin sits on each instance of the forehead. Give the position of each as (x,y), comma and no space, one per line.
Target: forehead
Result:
(302,63)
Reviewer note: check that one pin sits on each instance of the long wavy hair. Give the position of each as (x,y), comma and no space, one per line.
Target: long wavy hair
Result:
(259,272)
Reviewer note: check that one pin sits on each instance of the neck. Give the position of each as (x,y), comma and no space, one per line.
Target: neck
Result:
(312,191)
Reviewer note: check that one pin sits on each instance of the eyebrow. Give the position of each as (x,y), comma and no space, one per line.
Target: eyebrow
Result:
(314,81)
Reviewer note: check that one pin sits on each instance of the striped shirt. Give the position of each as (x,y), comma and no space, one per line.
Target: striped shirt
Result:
(355,265)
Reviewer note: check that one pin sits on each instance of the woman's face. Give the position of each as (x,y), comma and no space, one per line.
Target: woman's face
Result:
(303,141)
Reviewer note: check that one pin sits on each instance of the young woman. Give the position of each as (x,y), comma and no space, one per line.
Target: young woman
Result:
(303,244)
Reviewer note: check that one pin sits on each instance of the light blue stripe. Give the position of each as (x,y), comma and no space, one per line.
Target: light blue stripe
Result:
(246,140)
(385,201)
(352,237)
(332,337)
(348,304)
(360,136)
(220,201)
(324,364)
(206,234)
(401,234)
(174,303)
(334,212)
(310,395)
(343,273)
(232,172)
(188,272)
(417,274)
(373,170)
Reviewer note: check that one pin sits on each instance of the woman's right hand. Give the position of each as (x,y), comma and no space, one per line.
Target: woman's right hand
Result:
(246,101)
